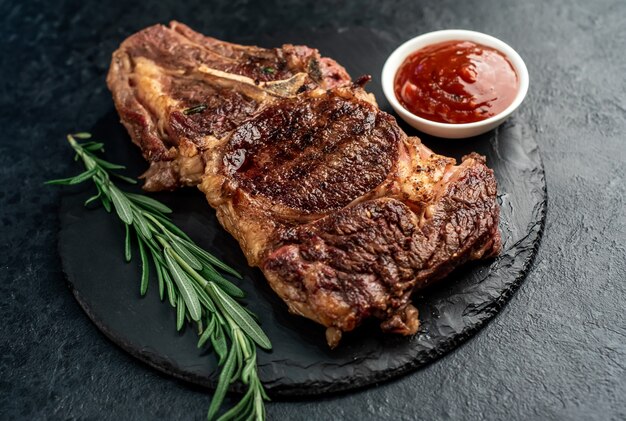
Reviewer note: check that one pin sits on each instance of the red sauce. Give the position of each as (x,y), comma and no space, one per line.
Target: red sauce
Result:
(456,82)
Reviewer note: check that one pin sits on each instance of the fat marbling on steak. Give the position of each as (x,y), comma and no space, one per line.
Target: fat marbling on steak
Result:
(344,213)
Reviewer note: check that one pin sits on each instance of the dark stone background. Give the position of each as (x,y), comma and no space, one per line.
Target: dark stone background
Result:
(557,350)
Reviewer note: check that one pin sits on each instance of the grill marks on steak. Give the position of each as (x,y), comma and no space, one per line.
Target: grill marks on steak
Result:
(313,153)
(345,215)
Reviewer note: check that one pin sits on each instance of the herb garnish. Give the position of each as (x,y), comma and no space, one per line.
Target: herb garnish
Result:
(195,110)
(190,278)
(268,70)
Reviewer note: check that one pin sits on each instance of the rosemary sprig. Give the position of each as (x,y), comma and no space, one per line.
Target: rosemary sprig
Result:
(192,279)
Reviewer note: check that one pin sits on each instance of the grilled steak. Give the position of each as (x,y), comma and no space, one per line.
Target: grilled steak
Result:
(344,213)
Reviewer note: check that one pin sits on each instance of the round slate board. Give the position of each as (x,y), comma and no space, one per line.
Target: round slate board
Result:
(91,247)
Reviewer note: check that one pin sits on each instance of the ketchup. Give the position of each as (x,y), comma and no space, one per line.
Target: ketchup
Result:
(456,82)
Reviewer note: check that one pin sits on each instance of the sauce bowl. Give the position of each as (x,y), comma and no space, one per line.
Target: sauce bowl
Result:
(451,130)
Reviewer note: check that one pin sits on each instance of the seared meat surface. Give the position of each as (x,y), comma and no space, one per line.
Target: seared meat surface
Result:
(344,213)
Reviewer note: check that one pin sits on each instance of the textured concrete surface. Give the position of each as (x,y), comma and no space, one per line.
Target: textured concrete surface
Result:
(557,350)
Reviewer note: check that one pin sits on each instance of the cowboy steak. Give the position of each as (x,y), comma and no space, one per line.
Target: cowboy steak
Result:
(343,212)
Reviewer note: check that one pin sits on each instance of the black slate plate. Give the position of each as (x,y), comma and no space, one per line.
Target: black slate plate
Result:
(91,244)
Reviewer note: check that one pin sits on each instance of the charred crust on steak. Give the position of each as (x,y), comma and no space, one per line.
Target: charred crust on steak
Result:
(313,154)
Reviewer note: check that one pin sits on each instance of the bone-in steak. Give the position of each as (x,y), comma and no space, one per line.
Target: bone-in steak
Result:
(343,212)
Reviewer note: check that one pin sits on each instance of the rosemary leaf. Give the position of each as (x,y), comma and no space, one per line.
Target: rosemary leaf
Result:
(59,181)
(157,269)
(220,319)
(245,374)
(106,164)
(189,270)
(141,223)
(204,299)
(106,203)
(92,199)
(81,135)
(204,337)
(227,286)
(260,387)
(212,323)
(123,177)
(127,253)
(253,315)
(218,340)
(236,344)
(184,285)
(259,408)
(93,146)
(148,202)
(240,316)
(222,384)
(122,206)
(180,313)
(104,199)
(187,256)
(245,345)
(233,413)
(156,251)
(145,266)
(83,177)
(171,292)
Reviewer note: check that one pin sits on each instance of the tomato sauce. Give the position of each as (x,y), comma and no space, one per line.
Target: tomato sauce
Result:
(456,82)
